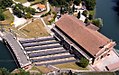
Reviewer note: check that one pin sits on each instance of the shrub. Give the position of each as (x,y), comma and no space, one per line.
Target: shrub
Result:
(28,15)
(98,22)
(86,20)
(77,2)
(83,62)
(90,4)
(79,15)
(48,13)
(85,13)
(90,17)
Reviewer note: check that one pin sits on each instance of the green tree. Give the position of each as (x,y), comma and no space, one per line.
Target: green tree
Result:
(90,4)
(98,22)
(90,17)
(79,15)
(20,7)
(2,16)
(21,72)
(85,13)
(77,2)
(4,71)
(83,62)
(28,15)
(86,20)
(17,12)
(5,3)
(30,10)
(30,0)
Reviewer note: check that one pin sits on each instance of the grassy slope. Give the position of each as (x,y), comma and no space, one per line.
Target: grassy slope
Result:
(8,17)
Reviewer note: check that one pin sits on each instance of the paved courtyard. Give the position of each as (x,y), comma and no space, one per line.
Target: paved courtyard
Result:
(111,59)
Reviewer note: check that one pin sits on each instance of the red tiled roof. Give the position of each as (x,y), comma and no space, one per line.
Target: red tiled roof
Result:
(41,6)
(89,39)
(93,27)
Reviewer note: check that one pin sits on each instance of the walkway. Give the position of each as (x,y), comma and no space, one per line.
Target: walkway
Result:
(19,53)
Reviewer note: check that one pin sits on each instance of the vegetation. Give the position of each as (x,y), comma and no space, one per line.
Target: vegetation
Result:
(35,29)
(98,22)
(85,13)
(83,62)
(2,16)
(64,5)
(44,69)
(4,71)
(79,15)
(21,72)
(30,0)
(8,17)
(86,20)
(48,13)
(95,73)
(77,2)
(90,4)
(72,66)
(5,3)
(20,11)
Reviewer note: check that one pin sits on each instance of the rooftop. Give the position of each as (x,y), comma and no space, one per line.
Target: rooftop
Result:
(41,6)
(91,40)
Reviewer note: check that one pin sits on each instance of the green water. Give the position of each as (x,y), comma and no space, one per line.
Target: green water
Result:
(104,10)
(6,59)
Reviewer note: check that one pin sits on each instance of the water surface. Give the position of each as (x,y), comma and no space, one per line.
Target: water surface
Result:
(104,10)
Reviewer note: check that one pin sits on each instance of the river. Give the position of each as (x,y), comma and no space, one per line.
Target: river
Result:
(6,59)
(104,10)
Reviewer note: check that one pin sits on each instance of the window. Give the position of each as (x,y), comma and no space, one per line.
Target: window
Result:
(101,57)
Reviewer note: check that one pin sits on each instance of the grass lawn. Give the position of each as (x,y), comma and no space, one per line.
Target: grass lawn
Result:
(43,69)
(8,17)
(35,29)
(71,65)
(23,1)
(96,73)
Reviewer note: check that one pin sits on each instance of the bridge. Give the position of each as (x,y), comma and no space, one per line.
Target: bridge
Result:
(16,49)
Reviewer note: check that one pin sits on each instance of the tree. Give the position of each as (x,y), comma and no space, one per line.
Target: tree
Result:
(2,16)
(20,11)
(4,71)
(90,17)
(28,15)
(83,62)
(17,12)
(5,3)
(79,15)
(90,4)
(77,2)
(86,20)
(30,0)
(98,22)
(30,10)
(85,13)
(21,72)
